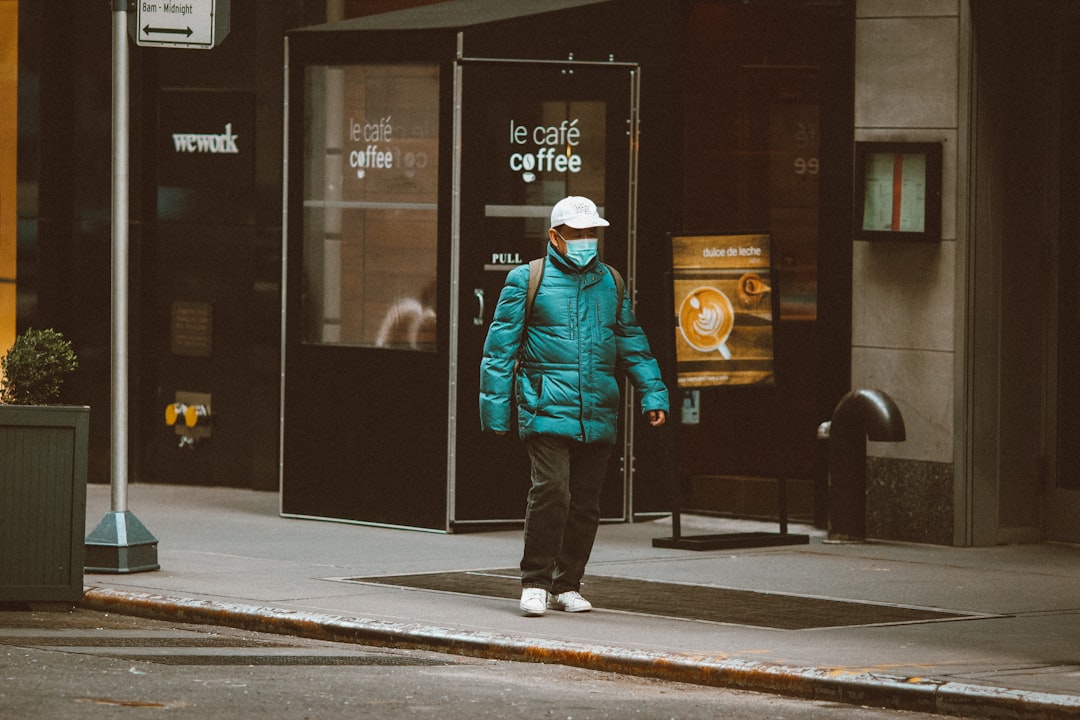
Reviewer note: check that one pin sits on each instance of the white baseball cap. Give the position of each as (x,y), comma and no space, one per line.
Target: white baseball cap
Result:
(576,212)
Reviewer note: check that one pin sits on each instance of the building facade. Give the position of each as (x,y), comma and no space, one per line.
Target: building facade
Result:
(748,116)
(973,333)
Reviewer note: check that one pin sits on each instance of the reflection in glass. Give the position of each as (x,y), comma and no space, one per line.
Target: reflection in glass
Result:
(409,324)
(370,205)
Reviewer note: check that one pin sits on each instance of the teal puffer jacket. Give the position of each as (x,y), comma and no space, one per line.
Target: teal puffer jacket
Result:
(566,384)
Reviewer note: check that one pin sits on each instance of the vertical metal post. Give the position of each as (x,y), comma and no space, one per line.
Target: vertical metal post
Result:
(120,216)
(120,543)
(633,129)
(455,282)
(282,320)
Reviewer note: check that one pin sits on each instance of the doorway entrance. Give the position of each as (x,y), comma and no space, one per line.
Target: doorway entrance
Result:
(1025,398)
(1064,498)
(531,134)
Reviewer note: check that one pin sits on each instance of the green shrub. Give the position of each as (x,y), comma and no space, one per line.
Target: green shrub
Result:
(35,367)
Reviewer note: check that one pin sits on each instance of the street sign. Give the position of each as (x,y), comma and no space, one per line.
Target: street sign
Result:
(183,24)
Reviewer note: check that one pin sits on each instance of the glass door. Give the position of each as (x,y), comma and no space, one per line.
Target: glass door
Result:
(530,134)
(365,351)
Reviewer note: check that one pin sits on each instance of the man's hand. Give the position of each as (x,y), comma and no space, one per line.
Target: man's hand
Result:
(657,417)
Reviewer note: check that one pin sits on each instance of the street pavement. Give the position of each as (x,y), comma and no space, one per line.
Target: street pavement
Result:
(1008,649)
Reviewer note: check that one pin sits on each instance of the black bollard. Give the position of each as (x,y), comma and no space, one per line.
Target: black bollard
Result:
(860,414)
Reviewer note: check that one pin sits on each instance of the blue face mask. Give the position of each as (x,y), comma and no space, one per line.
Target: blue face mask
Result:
(581,252)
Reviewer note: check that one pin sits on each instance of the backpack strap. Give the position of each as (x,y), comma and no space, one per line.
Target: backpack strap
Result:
(620,284)
(536,274)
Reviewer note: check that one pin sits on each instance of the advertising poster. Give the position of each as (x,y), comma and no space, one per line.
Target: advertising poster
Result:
(723,309)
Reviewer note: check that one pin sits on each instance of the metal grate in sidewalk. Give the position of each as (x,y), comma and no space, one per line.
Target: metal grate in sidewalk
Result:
(678,600)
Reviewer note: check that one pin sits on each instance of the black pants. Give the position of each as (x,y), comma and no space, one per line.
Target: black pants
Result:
(563,510)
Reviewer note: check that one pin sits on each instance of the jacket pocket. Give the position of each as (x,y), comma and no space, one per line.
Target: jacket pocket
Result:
(531,390)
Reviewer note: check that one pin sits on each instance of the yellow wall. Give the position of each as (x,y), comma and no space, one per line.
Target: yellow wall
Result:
(9,83)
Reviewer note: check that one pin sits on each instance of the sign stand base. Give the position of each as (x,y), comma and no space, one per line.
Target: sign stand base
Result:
(731,540)
(724,541)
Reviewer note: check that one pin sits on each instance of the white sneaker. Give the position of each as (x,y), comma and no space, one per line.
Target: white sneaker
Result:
(533,601)
(570,601)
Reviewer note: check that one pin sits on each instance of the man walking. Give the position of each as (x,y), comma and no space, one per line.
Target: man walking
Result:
(554,359)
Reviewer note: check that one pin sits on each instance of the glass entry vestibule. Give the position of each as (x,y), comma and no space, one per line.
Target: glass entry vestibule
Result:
(417,177)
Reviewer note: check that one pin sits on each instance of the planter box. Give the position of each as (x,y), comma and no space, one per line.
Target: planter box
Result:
(43,458)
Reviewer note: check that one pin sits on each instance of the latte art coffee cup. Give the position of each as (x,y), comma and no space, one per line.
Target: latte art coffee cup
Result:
(706,317)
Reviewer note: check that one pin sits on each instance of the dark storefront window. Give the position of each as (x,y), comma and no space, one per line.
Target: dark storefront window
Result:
(370,202)
(1068,426)
(754,139)
(753,159)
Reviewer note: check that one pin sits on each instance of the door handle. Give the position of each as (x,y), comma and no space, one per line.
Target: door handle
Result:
(479,319)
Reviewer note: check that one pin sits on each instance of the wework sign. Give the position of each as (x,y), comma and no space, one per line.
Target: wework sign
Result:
(206,139)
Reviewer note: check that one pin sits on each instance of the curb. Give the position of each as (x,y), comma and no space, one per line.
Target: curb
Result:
(823,684)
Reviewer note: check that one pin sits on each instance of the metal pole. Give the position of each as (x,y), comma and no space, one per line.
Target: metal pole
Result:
(120,182)
(120,543)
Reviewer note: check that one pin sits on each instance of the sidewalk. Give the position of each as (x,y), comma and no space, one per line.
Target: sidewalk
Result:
(1012,651)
